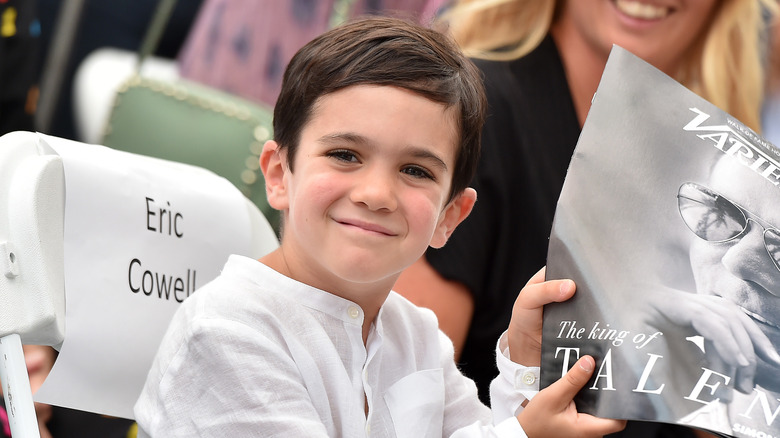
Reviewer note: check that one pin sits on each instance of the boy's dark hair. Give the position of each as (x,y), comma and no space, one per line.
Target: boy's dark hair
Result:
(384,51)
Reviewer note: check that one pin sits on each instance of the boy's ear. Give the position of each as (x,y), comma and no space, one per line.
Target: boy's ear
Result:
(273,163)
(457,210)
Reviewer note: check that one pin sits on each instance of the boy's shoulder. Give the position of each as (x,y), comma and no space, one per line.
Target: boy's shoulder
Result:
(416,328)
(242,290)
(398,307)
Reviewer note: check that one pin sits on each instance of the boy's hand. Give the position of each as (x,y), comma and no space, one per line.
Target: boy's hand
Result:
(525,329)
(552,411)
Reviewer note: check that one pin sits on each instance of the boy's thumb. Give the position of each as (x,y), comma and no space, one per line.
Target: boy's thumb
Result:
(575,379)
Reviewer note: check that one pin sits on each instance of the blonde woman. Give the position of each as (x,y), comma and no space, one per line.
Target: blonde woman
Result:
(542,61)
(713,47)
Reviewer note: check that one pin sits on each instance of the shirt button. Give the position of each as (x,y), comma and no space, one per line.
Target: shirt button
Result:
(353,312)
(529,378)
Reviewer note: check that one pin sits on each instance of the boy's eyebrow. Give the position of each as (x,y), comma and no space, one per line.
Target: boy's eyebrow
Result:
(426,154)
(340,137)
(350,137)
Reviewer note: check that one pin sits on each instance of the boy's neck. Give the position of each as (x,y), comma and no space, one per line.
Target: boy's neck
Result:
(370,313)
(369,297)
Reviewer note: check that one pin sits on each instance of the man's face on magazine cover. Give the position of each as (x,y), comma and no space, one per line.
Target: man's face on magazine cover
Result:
(741,269)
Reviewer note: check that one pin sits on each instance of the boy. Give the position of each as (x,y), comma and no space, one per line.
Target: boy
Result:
(376,138)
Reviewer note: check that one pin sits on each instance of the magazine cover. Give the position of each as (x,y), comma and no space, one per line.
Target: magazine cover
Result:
(668,223)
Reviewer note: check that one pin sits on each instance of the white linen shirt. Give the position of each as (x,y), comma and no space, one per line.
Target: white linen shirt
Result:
(255,353)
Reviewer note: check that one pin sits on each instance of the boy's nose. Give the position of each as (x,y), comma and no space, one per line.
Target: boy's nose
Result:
(376,191)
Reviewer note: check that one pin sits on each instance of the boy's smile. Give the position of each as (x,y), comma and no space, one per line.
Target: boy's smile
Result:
(368,192)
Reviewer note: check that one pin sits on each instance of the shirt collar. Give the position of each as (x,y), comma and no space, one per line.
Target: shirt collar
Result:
(271,281)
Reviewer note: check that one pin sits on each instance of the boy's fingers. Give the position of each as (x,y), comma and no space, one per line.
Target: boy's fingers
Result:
(535,295)
(595,426)
(568,386)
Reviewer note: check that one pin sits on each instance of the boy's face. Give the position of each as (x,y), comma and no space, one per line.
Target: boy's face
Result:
(368,195)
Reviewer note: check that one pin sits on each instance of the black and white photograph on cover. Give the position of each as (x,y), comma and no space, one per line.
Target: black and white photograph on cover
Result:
(735,267)
(668,224)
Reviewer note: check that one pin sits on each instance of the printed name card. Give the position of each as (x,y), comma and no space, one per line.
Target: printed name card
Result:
(140,235)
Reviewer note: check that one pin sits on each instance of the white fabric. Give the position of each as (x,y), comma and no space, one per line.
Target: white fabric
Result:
(255,353)
(510,386)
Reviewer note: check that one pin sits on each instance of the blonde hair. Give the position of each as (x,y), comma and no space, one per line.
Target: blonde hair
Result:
(726,66)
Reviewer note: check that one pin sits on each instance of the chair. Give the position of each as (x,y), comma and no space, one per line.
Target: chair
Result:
(146,109)
(98,247)
(135,102)
(97,80)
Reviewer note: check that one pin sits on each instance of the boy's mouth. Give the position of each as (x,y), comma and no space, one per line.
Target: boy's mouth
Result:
(366,226)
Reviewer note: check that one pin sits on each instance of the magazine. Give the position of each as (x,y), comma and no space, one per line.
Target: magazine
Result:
(668,224)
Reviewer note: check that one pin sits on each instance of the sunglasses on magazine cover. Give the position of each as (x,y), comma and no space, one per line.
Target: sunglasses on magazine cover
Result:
(715,219)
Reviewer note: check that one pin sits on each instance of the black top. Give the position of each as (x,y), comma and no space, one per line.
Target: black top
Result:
(527,143)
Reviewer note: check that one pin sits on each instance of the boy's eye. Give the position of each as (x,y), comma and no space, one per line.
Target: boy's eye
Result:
(343,155)
(418,172)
